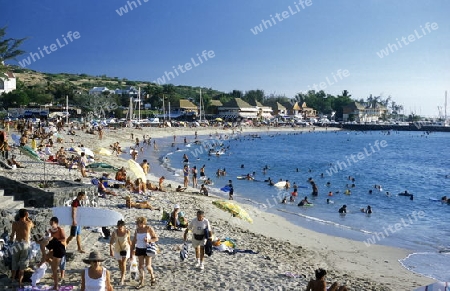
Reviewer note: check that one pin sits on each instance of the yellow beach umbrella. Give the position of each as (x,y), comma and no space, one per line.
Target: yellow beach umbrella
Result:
(234,209)
(137,170)
(103,152)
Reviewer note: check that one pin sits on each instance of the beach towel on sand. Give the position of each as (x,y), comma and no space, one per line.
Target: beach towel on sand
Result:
(38,274)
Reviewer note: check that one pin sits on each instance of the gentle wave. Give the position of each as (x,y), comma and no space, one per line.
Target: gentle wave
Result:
(415,263)
(326,221)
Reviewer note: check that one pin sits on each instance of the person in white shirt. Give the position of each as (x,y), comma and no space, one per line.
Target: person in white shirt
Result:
(198,226)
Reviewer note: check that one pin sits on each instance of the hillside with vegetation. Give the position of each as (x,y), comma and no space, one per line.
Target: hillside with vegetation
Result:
(39,88)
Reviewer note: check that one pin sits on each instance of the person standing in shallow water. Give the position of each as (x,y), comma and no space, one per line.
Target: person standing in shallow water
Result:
(194,177)
(231,192)
(185,176)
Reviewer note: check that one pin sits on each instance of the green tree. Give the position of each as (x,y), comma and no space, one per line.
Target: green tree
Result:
(9,49)
(257,95)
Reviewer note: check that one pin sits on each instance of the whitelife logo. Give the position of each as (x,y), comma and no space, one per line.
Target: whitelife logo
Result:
(204,57)
(391,48)
(66,39)
(265,24)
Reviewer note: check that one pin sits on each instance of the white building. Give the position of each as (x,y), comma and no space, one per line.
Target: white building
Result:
(7,83)
(238,108)
(100,90)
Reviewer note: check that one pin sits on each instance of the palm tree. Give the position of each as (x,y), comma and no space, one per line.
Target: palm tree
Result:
(9,49)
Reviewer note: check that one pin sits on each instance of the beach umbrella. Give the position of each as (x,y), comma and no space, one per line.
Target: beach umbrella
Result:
(103,152)
(137,170)
(438,286)
(15,138)
(219,119)
(234,209)
(102,167)
(28,151)
(87,151)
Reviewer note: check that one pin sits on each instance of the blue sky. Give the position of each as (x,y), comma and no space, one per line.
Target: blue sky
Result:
(309,46)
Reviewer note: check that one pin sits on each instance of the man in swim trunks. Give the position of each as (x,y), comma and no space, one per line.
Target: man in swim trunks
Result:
(75,230)
(20,235)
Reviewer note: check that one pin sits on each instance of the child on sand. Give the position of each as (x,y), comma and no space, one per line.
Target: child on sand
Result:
(319,284)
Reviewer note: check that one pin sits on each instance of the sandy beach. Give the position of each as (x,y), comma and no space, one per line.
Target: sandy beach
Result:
(281,247)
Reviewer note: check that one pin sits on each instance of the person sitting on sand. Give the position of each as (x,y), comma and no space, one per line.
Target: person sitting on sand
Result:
(319,284)
(139,186)
(12,161)
(160,184)
(177,219)
(367,210)
(203,190)
(180,189)
(121,175)
(103,190)
(304,202)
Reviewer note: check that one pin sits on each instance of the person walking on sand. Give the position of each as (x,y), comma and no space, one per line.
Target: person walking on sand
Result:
(199,227)
(95,277)
(56,245)
(119,248)
(83,163)
(100,133)
(20,235)
(143,235)
(75,230)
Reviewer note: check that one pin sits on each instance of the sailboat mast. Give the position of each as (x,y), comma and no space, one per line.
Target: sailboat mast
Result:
(139,109)
(200,104)
(445,108)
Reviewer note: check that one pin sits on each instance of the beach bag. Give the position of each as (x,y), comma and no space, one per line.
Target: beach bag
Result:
(184,252)
(38,274)
(165,216)
(133,265)
(151,250)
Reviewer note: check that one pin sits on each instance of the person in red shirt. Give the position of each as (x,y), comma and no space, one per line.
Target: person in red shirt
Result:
(75,230)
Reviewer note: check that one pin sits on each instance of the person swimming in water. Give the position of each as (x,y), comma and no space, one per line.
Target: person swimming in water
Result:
(367,210)
(343,209)
(304,202)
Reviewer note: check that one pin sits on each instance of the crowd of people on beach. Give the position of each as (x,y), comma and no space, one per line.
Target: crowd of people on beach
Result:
(124,245)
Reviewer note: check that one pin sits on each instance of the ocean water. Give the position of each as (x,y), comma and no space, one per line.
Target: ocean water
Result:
(397,161)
